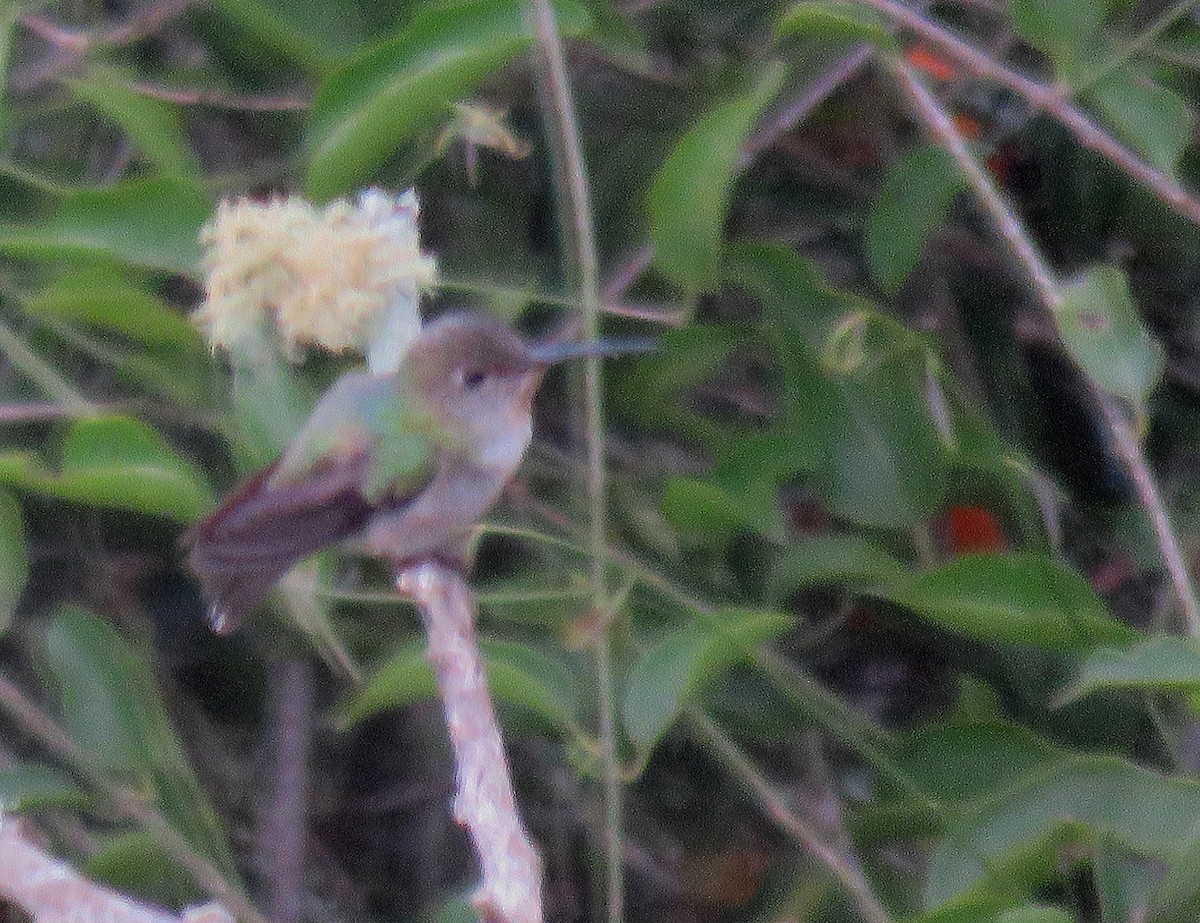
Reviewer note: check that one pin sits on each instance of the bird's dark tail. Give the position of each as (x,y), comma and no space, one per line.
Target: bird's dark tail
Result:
(242,550)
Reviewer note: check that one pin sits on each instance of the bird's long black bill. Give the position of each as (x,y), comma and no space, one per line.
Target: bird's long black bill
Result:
(552,351)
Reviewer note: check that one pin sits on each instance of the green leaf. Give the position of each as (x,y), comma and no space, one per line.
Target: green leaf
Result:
(912,205)
(314,33)
(964,762)
(834,20)
(517,674)
(1021,598)
(690,195)
(1160,662)
(26,787)
(392,93)
(1101,327)
(153,126)
(841,558)
(1143,811)
(1153,120)
(14,558)
(707,509)
(148,223)
(1034,913)
(115,462)
(135,864)
(111,709)
(1066,30)
(115,304)
(683,661)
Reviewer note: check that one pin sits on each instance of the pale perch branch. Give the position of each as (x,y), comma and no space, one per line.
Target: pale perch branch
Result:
(50,891)
(511,886)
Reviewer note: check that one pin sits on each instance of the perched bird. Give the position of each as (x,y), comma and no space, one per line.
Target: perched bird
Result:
(404,463)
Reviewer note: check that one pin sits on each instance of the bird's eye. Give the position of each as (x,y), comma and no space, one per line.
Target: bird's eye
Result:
(472,380)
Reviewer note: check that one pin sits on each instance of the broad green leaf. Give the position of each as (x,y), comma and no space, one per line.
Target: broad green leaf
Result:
(153,126)
(1035,913)
(689,198)
(14,558)
(1066,30)
(1153,120)
(9,12)
(1101,327)
(385,97)
(854,392)
(314,33)
(1020,598)
(517,674)
(116,304)
(965,762)
(683,661)
(833,20)
(911,207)
(1160,662)
(111,709)
(887,465)
(706,509)
(28,786)
(135,864)
(834,558)
(115,462)
(1143,811)
(148,223)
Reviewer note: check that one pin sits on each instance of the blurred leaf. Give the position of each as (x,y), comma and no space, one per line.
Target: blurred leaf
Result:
(887,466)
(689,198)
(1143,811)
(1124,881)
(652,392)
(1153,120)
(153,126)
(115,462)
(1160,662)
(706,509)
(1034,913)
(14,558)
(960,763)
(148,223)
(1177,899)
(1066,30)
(1101,327)
(1020,598)
(111,709)
(833,558)
(391,93)
(25,787)
(112,303)
(314,33)
(912,206)
(834,20)
(683,661)
(135,864)
(517,675)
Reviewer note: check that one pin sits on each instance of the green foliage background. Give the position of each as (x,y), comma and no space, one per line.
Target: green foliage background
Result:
(893,633)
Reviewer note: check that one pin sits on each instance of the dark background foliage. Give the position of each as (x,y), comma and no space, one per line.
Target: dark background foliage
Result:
(900,514)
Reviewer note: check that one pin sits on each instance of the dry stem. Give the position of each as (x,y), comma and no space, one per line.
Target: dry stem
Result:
(1045,283)
(511,889)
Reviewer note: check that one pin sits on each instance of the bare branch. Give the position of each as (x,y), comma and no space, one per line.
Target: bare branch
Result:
(511,889)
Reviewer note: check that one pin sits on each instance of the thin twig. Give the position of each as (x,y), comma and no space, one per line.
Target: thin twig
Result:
(32,412)
(129,803)
(580,209)
(1049,100)
(217,100)
(784,120)
(843,865)
(45,377)
(511,886)
(286,827)
(1045,284)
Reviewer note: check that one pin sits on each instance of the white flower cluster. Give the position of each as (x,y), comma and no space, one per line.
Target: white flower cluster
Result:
(346,276)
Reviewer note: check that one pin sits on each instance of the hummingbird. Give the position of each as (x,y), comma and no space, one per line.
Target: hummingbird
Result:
(404,464)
